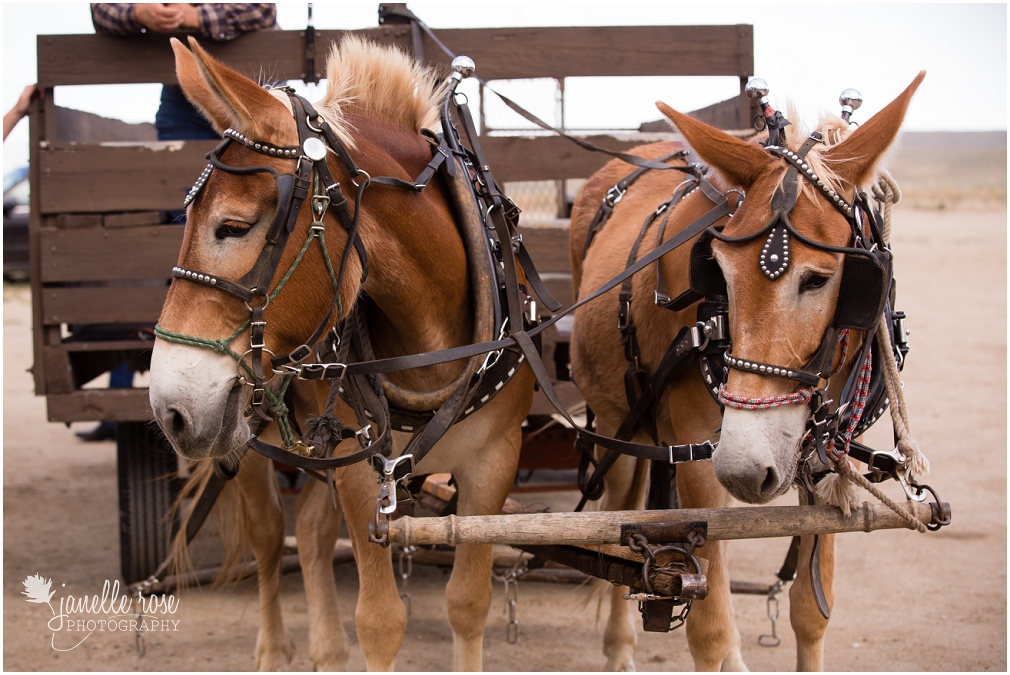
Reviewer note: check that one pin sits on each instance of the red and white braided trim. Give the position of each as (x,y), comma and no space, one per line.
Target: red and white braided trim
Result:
(801,395)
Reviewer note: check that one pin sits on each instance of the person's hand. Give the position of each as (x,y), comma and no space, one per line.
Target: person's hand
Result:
(25,100)
(19,110)
(159,17)
(190,17)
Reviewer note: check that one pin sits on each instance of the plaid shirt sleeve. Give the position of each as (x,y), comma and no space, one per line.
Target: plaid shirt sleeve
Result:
(115,19)
(228,21)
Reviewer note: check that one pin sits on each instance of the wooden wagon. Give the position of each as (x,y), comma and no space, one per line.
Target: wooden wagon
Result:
(101,251)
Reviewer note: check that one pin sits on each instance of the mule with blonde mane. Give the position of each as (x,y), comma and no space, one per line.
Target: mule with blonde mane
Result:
(784,267)
(227,325)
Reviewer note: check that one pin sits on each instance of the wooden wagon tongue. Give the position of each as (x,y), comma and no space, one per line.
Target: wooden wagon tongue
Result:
(652,552)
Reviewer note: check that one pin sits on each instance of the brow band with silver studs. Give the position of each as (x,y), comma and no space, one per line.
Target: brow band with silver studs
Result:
(197,186)
(840,203)
(290,152)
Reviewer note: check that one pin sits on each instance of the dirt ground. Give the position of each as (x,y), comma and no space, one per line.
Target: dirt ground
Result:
(904,601)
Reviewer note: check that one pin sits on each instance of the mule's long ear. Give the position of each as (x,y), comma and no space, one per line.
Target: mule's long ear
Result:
(740,162)
(855,158)
(197,90)
(249,108)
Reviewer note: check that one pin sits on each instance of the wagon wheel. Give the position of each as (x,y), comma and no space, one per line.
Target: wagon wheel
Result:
(148,485)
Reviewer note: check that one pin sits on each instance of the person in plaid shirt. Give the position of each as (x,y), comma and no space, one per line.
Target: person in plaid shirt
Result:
(216,21)
(176,119)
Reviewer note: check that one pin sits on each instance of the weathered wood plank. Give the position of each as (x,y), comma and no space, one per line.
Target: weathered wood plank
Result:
(107,59)
(112,405)
(500,53)
(518,158)
(548,246)
(156,176)
(107,304)
(100,254)
(101,178)
(588,51)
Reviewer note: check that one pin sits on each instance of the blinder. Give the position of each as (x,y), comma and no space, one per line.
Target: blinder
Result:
(866,279)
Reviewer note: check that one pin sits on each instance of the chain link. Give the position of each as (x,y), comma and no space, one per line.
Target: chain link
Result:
(772,607)
(406,566)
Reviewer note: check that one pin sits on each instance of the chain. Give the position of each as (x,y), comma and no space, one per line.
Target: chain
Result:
(511,581)
(772,607)
(406,565)
(139,642)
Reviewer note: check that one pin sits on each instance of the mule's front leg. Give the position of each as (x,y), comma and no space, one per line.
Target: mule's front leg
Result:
(264,522)
(807,621)
(380,617)
(482,491)
(712,634)
(317,527)
(626,487)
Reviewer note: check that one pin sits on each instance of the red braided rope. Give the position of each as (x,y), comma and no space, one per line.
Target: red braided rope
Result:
(801,395)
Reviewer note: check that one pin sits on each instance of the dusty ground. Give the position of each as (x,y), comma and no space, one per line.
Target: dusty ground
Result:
(904,601)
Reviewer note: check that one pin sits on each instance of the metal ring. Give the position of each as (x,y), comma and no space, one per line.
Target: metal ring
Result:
(273,373)
(309,124)
(266,302)
(466,99)
(362,172)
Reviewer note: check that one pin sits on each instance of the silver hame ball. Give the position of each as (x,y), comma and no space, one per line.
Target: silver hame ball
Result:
(756,89)
(463,65)
(851,98)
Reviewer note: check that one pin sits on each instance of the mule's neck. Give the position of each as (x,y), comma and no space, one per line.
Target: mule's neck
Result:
(418,279)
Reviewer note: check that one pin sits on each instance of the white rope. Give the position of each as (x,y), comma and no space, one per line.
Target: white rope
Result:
(838,489)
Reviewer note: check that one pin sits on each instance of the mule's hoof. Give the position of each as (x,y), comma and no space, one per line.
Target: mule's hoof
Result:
(272,658)
(621,664)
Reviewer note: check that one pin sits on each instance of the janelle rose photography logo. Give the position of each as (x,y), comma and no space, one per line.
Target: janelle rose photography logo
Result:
(109,612)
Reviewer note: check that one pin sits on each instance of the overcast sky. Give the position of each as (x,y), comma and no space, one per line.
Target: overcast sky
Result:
(808,53)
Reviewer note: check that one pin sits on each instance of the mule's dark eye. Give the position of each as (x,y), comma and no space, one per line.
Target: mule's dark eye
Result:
(813,281)
(232,228)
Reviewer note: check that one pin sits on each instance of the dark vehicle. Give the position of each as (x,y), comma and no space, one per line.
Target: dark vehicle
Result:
(16,224)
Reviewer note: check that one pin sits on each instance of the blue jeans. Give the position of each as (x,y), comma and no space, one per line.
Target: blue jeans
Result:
(178,120)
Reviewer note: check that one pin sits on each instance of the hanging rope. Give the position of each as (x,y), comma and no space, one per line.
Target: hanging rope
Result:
(833,489)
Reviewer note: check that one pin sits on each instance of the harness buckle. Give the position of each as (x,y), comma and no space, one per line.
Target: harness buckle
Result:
(322,371)
(614,195)
(300,353)
(624,312)
(256,334)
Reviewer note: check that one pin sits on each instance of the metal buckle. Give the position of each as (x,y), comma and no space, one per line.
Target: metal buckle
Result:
(623,314)
(614,195)
(322,371)
(300,353)
(252,334)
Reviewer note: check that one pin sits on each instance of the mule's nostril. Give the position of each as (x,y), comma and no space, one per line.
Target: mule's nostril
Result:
(178,423)
(771,481)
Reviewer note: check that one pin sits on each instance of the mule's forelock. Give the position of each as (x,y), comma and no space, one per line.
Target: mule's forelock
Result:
(379,82)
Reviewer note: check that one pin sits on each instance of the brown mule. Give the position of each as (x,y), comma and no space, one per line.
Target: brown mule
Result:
(421,299)
(774,319)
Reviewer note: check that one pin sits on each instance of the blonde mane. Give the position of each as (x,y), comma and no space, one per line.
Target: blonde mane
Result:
(379,82)
(834,130)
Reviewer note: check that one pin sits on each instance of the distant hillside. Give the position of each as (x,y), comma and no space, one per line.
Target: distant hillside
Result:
(942,169)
